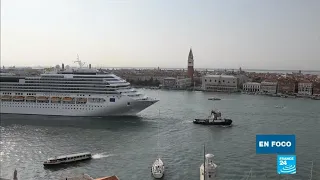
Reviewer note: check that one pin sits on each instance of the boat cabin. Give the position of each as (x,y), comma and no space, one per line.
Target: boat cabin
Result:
(215,114)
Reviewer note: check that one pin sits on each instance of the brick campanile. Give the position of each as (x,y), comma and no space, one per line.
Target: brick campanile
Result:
(190,65)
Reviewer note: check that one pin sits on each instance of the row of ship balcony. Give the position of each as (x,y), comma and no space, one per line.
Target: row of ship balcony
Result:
(44,99)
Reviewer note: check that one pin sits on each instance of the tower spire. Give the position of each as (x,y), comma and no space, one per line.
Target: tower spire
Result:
(190,54)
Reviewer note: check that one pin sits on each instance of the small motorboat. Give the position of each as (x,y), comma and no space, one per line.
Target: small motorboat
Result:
(68,159)
(214,119)
(214,99)
(157,169)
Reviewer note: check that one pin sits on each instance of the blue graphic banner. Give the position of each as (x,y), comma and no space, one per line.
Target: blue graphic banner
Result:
(275,144)
(286,164)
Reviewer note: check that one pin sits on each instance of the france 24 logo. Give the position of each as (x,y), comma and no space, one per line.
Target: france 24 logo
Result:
(286,164)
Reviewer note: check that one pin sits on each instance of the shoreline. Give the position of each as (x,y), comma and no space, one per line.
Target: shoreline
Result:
(296,96)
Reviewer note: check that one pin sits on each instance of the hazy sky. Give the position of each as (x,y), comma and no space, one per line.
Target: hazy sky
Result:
(266,34)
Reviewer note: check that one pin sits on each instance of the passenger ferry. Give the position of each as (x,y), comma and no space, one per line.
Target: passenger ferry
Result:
(71,92)
(68,159)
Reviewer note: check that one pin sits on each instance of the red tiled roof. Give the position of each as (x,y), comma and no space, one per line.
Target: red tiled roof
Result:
(108,178)
(304,81)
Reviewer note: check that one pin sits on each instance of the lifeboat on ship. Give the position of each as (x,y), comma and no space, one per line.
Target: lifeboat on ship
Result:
(30,98)
(67,99)
(18,98)
(82,100)
(42,98)
(55,99)
(6,97)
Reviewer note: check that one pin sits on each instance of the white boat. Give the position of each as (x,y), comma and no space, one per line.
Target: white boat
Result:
(208,170)
(157,169)
(68,159)
(100,94)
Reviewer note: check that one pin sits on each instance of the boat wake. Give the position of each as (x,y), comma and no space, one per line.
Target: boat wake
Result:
(226,126)
(102,155)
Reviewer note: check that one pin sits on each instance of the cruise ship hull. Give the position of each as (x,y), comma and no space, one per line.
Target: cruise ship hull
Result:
(119,108)
(71,92)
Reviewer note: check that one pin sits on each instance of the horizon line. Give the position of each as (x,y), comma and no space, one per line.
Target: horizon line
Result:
(250,69)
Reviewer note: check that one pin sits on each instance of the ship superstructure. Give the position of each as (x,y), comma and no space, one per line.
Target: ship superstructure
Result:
(71,92)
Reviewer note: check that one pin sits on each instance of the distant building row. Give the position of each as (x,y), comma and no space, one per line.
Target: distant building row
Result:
(176,83)
(283,87)
(220,83)
(227,83)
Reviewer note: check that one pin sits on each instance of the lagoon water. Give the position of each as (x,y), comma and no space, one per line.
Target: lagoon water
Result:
(127,146)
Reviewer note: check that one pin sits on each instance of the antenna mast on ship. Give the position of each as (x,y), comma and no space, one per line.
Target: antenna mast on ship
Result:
(311,171)
(158,147)
(79,62)
(204,162)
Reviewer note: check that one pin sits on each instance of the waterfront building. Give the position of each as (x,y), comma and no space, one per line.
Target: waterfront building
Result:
(242,78)
(287,86)
(169,82)
(251,87)
(183,83)
(219,83)
(268,87)
(27,71)
(305,88)
(316,88)
(140,79)
(176,83)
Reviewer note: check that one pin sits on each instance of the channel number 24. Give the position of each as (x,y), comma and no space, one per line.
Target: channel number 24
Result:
(283,163)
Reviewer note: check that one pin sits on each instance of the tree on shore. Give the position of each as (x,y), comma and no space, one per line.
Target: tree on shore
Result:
(150,82)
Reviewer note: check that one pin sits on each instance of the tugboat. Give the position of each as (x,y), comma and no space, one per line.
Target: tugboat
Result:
(214,119)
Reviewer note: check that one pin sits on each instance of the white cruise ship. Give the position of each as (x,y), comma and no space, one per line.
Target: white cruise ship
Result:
(71,92)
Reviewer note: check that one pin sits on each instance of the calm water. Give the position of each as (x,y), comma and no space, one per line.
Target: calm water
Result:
(126,147)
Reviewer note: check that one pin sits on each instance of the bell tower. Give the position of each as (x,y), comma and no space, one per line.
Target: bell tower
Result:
(190,65)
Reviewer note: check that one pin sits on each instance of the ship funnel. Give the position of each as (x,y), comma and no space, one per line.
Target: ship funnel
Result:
(89,66)
(62,66)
